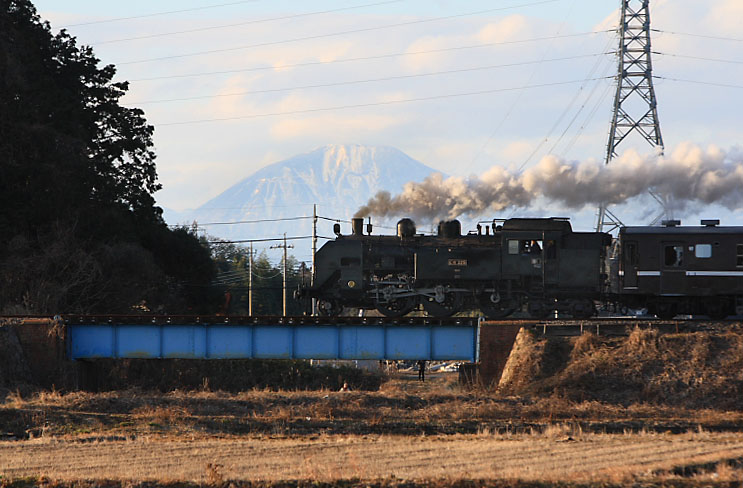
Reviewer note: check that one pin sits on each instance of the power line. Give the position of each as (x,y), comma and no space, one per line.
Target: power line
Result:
(333,34)
(700,58)
(577,114)
(590,76)
(249,22)
(595,69)
(703,36)
(369,80)
(517,98)
(364,58)
(257,221)
(273,239)
(710,83)
(579,133)
(117,19)
(375,104)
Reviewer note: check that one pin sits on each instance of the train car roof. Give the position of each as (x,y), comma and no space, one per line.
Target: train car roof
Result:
(688,230)
(552,223)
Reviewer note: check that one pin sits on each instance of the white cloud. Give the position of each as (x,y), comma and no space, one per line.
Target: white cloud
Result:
(347,126)
(511,28)
(448,134)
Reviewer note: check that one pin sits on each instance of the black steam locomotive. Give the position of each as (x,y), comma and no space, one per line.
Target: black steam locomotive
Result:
(540,266)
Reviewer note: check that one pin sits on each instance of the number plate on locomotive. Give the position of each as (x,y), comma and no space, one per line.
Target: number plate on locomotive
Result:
(457,262)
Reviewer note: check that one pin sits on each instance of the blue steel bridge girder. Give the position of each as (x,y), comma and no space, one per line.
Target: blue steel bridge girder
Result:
(267,339)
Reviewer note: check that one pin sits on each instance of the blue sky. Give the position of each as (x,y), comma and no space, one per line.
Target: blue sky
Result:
(543,96)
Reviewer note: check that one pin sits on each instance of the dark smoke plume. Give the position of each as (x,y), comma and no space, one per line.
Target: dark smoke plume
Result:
(689,174)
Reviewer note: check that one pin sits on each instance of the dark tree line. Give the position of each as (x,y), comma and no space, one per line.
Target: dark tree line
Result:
(79,229)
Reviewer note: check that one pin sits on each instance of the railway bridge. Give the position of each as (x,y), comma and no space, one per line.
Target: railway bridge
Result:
(192,337)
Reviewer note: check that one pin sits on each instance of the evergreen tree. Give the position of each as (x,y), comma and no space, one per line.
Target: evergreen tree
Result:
(79,229)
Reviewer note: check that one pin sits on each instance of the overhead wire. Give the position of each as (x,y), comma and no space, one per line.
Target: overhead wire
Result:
(157,14)
(579,133)
(583,105)
(332,34)
(709,83)
(271,239)
(699,58)
(274,67)
(370,104)
(517,98)
(589,77)
(369,80)
(249,22)
(257,221)
(703,36)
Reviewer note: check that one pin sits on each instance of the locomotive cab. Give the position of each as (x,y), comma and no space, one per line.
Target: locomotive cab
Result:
(553,268)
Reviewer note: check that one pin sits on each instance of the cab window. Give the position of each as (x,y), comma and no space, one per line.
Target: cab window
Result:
(674,256)
(524,246)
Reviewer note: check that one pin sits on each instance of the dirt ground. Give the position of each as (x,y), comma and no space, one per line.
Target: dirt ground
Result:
(552,457)
(647,409)
(452,433)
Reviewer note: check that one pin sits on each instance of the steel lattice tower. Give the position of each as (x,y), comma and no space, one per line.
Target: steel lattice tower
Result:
(635,105)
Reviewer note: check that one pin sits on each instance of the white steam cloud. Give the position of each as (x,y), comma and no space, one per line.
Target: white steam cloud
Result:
(689,174)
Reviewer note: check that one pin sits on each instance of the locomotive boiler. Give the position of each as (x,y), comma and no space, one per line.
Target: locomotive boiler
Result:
(540,265)
(534,265)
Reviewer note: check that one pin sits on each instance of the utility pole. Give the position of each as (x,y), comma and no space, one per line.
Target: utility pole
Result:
(285,247)
(250,281)
(314,251)
(635,105)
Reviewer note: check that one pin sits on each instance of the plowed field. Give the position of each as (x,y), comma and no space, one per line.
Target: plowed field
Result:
(593,457)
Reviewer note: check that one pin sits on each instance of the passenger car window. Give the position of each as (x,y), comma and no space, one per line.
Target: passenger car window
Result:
(630,251)
(703,251)
(674,256)
(739,258)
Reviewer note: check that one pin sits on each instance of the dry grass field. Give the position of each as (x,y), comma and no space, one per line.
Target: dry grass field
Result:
(646,410)
(547,457)
(450,434)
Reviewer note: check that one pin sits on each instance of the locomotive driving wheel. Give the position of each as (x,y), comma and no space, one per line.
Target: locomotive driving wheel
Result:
(328,308)
(394,298)
(493,306)
(443,303)
(397,307)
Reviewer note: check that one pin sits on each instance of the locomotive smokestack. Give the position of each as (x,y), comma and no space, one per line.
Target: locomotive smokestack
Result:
(357,226)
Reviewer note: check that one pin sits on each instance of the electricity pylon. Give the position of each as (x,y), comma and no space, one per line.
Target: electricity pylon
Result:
(635,105)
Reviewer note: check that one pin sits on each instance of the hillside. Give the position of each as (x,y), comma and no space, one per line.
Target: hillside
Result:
(338,178)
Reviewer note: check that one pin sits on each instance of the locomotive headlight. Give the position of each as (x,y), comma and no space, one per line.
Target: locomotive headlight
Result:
(351,284)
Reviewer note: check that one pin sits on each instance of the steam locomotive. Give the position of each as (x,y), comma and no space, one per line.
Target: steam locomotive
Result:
(539,266)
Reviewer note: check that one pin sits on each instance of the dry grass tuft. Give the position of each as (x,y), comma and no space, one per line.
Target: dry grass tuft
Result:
(214,474)
(585,344)
(642,341)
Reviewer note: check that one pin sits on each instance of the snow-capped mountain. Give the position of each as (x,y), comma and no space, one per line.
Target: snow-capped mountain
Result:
(338,178)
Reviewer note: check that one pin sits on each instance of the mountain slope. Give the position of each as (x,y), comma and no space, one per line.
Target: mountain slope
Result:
(338,178)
